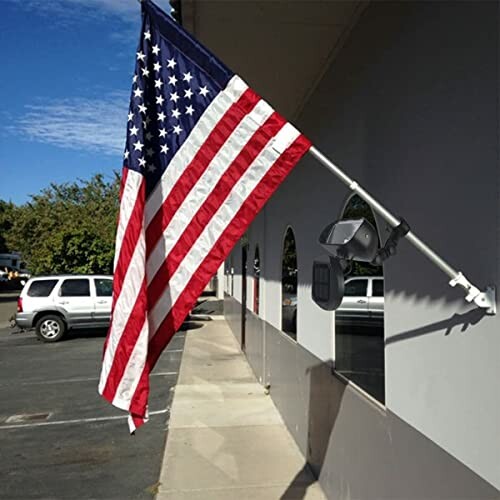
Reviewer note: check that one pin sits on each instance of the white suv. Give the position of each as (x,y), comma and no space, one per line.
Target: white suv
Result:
(54,304)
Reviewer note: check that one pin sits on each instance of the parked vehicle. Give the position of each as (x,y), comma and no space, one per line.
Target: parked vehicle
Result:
(55,304)
(362,305)
(363,302)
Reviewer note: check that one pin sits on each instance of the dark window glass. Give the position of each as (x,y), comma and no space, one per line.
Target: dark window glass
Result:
(104,287)
(41,288)
(356,288)
(289,284)
(75,288)
(256,282)
(359,322)
(377,288)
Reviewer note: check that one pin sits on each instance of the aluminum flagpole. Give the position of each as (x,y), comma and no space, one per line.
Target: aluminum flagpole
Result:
(484,299)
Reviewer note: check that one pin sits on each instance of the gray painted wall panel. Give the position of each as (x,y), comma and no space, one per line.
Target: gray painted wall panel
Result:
(358,450)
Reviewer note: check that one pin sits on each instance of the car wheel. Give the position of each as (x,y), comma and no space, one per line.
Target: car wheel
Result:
(50,328)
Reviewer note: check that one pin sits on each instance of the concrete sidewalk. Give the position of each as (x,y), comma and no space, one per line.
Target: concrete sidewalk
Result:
(226,439)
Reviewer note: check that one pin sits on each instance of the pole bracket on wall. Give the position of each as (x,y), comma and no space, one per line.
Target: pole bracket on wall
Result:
(485,300)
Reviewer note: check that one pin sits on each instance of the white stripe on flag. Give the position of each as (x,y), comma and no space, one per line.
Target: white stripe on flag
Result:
(129,196)
(223,217)
(132,283)
(132,374)
(205,184)
(184,156)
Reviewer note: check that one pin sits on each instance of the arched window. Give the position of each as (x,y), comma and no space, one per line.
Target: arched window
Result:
(256,280)
(289,285)
(359,320)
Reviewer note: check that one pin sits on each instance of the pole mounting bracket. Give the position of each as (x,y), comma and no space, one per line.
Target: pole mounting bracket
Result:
(484,300)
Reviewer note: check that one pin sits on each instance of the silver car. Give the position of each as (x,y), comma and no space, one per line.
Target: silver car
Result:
(55,304)
(363,302)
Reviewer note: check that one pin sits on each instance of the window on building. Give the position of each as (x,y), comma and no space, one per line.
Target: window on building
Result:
(231,276)
(359,321)
(256,281)
(289,285)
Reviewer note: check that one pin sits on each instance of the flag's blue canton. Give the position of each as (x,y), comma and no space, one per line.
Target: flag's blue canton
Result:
(174,81)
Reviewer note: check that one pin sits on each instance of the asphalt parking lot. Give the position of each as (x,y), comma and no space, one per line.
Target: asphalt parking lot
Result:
(59,439)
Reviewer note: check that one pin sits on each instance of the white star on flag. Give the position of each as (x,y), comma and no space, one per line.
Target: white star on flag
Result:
(171,63)
(157,66)
(138,92)
(145,71)
(161,116)
(142,108)
(138,146)
(140,56)
(133,130)
(203,91)
(163,132)
(187,77)
(155,50)
(177,129)
(188,93)
(160,100)
(189,110)
(174,97)
(158,84)
(142,162)
(164,148)
(172,80)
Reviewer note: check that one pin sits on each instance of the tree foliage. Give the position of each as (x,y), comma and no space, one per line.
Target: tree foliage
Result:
(6,217)
(67,228)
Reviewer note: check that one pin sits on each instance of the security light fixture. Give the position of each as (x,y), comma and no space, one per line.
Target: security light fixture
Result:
(345,241)
(350,239)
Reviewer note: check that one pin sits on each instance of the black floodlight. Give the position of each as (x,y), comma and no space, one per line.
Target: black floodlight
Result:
(353,239)
(327,283)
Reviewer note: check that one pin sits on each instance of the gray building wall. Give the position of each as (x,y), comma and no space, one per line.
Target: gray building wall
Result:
(409,107)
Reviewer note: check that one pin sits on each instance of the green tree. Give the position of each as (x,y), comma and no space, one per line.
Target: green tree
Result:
(68,228)
(6,217)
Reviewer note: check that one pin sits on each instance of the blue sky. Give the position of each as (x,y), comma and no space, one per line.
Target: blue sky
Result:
(66,78)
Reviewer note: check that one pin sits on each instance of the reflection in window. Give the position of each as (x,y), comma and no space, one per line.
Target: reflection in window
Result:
(356,288)
(289,285)
(256,281)
(359,321)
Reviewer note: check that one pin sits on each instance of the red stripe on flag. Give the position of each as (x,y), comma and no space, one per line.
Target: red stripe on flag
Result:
(233,232)
(123,181)
(198,165)
(137,315)
(213,202)
(135,323)
(130,239)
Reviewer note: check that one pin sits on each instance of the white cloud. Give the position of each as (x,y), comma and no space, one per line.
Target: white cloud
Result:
(82,124)
(67,10)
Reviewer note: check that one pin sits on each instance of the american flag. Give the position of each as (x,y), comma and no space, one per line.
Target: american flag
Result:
(203,155)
